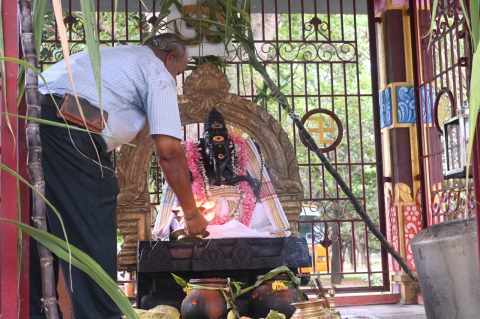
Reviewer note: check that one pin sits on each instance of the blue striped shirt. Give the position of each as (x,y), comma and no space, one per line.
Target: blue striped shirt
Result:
(136,88)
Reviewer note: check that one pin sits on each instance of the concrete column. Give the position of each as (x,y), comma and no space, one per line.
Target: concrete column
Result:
(399,143)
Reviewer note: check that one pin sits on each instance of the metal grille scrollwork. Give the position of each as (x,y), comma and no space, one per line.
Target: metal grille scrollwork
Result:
(318,53)
(443,77)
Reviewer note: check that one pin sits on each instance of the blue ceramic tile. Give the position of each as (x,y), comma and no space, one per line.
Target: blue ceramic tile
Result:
(427,102)
(385,101)
(406,104)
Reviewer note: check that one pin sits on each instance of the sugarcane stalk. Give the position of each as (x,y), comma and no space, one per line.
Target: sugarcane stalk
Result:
(35,172)
(333,172)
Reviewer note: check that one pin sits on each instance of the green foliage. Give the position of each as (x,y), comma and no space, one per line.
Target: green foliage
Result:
(275,315)
(375,279)
(226,292)
(325,85)
(38,18)
(237,285)
(2,54)
(180,281)
(41,121)
(340,87)
(213,60)
(91,32)
(233,289)
(83,262)
(67,126)
(474,98)
(120,241)
(61,248)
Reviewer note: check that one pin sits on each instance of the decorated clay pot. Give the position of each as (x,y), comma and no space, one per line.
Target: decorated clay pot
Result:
(205,304)
(271,296)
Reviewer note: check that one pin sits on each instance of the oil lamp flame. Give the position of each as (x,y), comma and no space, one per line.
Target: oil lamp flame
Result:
(210,216)
(206,206)
(209,205)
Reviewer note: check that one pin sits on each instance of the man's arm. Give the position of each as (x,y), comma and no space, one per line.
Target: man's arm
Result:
(172,160)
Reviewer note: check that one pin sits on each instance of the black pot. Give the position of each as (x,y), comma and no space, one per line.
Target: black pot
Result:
(205,304)
(264,299)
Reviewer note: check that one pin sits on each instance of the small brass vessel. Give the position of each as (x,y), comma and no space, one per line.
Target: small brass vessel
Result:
(182,237)
(311,310)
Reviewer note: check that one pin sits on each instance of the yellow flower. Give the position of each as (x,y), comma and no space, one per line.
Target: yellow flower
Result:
(186,289)
(278,286)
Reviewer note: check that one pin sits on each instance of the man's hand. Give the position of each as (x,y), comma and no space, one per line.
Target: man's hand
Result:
(173,162)
(197,225)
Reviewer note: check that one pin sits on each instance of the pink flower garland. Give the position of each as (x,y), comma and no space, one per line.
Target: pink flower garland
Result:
(248,202)
(193,157)
(199,189)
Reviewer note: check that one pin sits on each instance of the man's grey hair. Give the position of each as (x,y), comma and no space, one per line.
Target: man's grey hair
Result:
(167,42)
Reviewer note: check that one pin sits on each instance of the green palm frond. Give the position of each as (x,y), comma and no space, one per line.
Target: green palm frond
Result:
(239,30)
(475,17)
(83,262)
(28,65)
(164,12)
(465,12)
(66,126)
(4,81)
(21,179)
(474,98)
(38,18)
(228,15)
(473,23)
(432,22)
(91,36)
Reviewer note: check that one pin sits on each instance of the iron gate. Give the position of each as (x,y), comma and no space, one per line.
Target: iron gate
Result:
(321,53)
(442,85)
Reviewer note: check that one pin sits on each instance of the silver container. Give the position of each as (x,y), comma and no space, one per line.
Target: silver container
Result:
(446,258)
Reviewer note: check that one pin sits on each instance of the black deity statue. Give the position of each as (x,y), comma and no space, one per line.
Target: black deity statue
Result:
(218,154)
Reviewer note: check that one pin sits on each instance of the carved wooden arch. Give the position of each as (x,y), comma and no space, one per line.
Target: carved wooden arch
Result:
(205,88)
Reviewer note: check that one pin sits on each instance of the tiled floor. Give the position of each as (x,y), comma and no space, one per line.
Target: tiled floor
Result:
(389,311)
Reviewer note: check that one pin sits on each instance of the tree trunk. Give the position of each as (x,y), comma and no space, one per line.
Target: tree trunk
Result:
(34,158)
(358,244)
(335,249)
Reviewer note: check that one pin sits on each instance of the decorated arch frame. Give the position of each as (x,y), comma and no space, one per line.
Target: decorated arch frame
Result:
(205,88)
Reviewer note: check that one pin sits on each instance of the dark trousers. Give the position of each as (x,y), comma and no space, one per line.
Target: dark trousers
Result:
(86,199)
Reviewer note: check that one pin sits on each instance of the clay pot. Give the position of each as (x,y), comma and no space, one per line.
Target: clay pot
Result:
(264,299)
(311,310)
(205,304)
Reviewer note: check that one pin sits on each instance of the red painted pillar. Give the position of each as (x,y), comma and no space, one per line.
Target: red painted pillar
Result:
(9,156)
(476,181)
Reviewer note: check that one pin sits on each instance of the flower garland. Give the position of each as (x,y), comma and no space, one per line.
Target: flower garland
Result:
(200,187)
(200,184)
(246,192)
